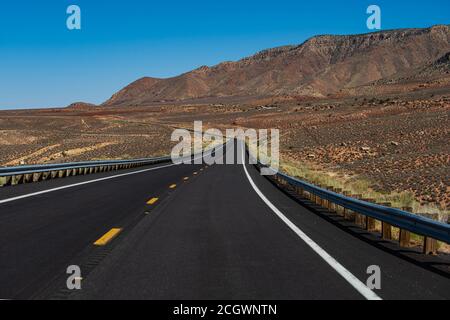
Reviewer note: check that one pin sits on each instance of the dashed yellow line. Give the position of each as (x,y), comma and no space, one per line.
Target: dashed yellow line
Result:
(107,237)
(186,178)
(173,186)
(152,200)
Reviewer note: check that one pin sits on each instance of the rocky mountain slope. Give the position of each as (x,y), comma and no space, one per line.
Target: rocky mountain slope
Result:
(320,66)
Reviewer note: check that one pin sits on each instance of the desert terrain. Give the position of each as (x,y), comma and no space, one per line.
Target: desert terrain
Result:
(366,113)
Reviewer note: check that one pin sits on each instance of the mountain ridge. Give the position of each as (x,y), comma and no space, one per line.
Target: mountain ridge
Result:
(319,66)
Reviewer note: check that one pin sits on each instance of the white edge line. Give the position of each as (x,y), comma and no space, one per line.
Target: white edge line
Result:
(347,275)
(79,184)
(87,182)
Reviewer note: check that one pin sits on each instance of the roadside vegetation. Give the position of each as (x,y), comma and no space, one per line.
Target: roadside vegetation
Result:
(362,187)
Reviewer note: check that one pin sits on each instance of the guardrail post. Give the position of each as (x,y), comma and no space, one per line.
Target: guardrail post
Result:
(320,201)
(429,246)
(45,175)
(312,197)
(404,237)
(386,228)
(370,222)
(16,179)
(329,203)
(345,211)
(336,206)
(359,218)
(27,177)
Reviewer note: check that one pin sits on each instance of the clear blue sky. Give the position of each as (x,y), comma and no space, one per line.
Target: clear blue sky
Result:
(43,64)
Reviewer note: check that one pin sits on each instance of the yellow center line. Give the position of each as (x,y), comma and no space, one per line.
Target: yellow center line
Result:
(107,237)
(152,200)
(173,186)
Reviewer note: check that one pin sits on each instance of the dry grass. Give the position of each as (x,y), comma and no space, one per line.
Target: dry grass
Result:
(363,187)
(357,185)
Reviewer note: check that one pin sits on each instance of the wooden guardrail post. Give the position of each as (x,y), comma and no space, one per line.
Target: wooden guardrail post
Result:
(17,179)
(27,177)
(358,217)
(404,237)
(317,199)
(336,206)
(299,191)
(429,246)
(345,211)
(386,228)
(370,222)
(329,203)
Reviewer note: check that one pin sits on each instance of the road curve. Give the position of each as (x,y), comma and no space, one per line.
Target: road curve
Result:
(219,232)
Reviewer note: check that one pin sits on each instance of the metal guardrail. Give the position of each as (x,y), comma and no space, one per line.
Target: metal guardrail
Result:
(35,173)
(6,171)
(366,213)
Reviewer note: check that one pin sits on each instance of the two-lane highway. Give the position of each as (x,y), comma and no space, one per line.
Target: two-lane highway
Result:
(45,225)
(193,232)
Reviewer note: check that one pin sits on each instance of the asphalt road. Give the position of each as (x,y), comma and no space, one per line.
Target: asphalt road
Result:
(223,232)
